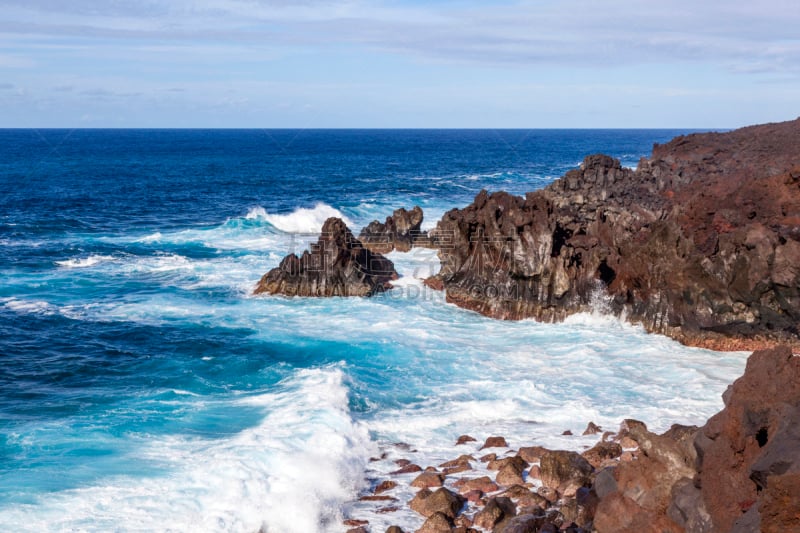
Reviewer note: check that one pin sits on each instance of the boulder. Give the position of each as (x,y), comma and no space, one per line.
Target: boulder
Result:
(496,510)
(495,442)
(442,501)
(564,471)
(436,523)
(428,479)
(337,265)
(602,452)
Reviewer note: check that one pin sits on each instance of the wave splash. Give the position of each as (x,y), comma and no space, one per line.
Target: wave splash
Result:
(289,474)
(301,220)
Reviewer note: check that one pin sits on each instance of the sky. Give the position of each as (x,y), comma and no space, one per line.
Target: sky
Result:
(398,64)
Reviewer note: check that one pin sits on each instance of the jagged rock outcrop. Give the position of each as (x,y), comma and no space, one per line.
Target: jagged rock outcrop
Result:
(701,242)
(337,265)
(740,472)
(400,232)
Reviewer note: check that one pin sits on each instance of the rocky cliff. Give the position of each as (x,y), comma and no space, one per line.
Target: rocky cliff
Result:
(337,265)
(701,242)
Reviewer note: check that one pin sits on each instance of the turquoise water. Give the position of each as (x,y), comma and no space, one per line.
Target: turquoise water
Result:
(143,387)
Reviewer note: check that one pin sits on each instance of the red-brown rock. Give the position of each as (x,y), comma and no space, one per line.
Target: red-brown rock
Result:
(442,501)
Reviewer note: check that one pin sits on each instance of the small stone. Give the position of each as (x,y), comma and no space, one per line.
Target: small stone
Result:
(456,469)
(516,460)
(390,509)
(428,479)
(567,433)
(488,457)
(353,522)
(436,523)
(463,439)
(408,469)
(383,486)
(483,483)
(360,529)
(462,460)
(601,452)
(495,442)
(592,429)
(377,499)
(402,462)
(394,529)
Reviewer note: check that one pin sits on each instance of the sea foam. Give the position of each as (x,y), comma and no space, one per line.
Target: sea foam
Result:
(301,220)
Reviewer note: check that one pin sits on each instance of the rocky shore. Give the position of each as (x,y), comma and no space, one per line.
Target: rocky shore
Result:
(701,242)
(740,472)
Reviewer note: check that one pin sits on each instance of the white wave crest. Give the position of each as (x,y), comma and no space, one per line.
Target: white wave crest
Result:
(84,262)
(289,474)
(301,220)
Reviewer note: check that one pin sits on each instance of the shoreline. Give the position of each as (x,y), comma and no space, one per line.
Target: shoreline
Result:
(625,480)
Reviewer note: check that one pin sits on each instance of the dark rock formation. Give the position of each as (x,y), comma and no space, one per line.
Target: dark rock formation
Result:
(400,232)
(337,265)
(701,242)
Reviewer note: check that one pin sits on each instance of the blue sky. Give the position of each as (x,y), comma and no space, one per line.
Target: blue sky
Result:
(448,63)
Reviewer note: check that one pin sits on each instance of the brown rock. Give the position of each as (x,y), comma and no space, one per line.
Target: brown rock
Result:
(780,506)
(535,472)
(377,498)
(495,442)
(754,439)
(388,509)
(531,454)
(384,486)
(436,523)
(495,510)
(488,457)
(601,452)
(354,522)
(516,460)
(461,461)
(408,469)
(427,480)
(567,433)
(394,529)
(592,429)
(483,483)
(527,523)
(360,529)
(463,439)
(564,471)
(442,501)
(510,474)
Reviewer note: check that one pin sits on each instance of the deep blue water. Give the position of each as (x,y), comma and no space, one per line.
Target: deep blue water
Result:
(142,387)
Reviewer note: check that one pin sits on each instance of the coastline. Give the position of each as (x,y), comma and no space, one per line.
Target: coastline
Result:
(624,480)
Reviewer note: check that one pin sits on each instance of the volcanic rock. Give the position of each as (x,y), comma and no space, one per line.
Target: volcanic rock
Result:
(564,471)
(399,232)
(337,265)
(442,501)
(701,242)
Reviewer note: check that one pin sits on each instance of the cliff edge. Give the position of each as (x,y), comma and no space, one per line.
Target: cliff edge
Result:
(701,242)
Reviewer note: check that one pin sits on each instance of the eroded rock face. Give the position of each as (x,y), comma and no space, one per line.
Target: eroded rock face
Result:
(337,265)
(701,242)
(740,472)
(400,232)
(754,440)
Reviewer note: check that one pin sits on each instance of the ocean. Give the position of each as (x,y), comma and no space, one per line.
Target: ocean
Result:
(144,388)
